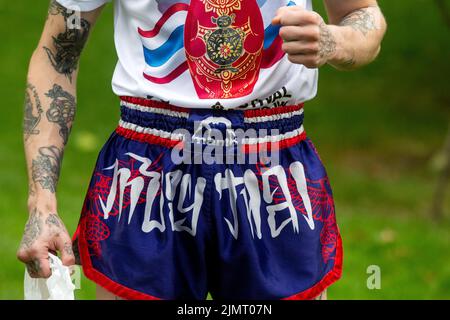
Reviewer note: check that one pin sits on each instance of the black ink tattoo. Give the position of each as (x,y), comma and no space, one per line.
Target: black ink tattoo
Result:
(361,20)
(55,227)
(34,268)
(55,9)
(68,45)
(32,111)
(31,190)
(62,110)
(33,229)
(45,168)
(53,220)
(327,43)
(68,248)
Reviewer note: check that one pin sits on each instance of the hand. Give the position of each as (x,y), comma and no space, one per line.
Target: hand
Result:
(44,233)
(308,40)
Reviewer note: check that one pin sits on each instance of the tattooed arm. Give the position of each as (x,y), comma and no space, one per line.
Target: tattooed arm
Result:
(352,39)
(49,112)
(358,27)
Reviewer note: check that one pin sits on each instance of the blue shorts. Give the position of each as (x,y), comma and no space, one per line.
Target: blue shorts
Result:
(183,202)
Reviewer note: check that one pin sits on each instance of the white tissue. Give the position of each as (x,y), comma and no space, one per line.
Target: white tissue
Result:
(58,287)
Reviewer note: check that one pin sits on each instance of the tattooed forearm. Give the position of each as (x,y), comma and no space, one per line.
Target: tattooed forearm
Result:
(327,42)
(362,20)
(45,168)
(68,44)
(358,36)
(62,110)
(32,111)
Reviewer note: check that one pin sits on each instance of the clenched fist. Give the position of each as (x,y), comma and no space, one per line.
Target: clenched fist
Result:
(307,38)
(44,233)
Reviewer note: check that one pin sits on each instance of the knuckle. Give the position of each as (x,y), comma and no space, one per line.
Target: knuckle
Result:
(315,33)
(315,18)
(22,255)
(70,260)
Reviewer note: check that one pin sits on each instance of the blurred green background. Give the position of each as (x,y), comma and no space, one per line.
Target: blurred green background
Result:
(378,130)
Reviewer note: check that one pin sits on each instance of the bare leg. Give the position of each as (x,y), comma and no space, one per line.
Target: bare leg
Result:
(103,294)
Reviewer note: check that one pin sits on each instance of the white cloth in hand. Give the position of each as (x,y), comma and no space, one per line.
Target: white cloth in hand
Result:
(58,287)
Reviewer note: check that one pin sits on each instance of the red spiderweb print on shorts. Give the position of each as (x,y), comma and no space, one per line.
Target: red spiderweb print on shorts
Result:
(322,205)
(95,229)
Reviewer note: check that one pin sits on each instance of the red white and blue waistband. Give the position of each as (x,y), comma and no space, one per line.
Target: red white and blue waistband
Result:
(157,122)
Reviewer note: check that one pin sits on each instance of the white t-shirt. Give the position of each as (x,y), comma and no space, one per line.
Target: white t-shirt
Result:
(204,54)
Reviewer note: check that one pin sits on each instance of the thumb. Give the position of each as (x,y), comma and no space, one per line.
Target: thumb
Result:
(64,246)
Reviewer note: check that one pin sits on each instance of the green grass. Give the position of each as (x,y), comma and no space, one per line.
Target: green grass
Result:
(377,129)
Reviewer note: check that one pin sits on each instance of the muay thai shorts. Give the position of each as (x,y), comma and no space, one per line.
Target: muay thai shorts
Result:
(186,202)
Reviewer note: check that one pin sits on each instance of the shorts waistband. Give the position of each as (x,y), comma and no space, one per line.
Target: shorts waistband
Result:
(159,122)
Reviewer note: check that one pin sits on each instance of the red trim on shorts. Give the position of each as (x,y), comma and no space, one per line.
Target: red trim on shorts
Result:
(152,104)
(272,111)
(148,138)
(247,148)
(332,276)
(99,278)
(273,146)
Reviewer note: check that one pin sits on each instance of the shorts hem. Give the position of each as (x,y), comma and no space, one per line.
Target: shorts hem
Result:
(331,277)
(130,294)
(99,278)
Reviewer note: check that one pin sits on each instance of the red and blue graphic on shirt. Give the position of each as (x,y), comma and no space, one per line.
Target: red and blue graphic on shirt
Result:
(223,44)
